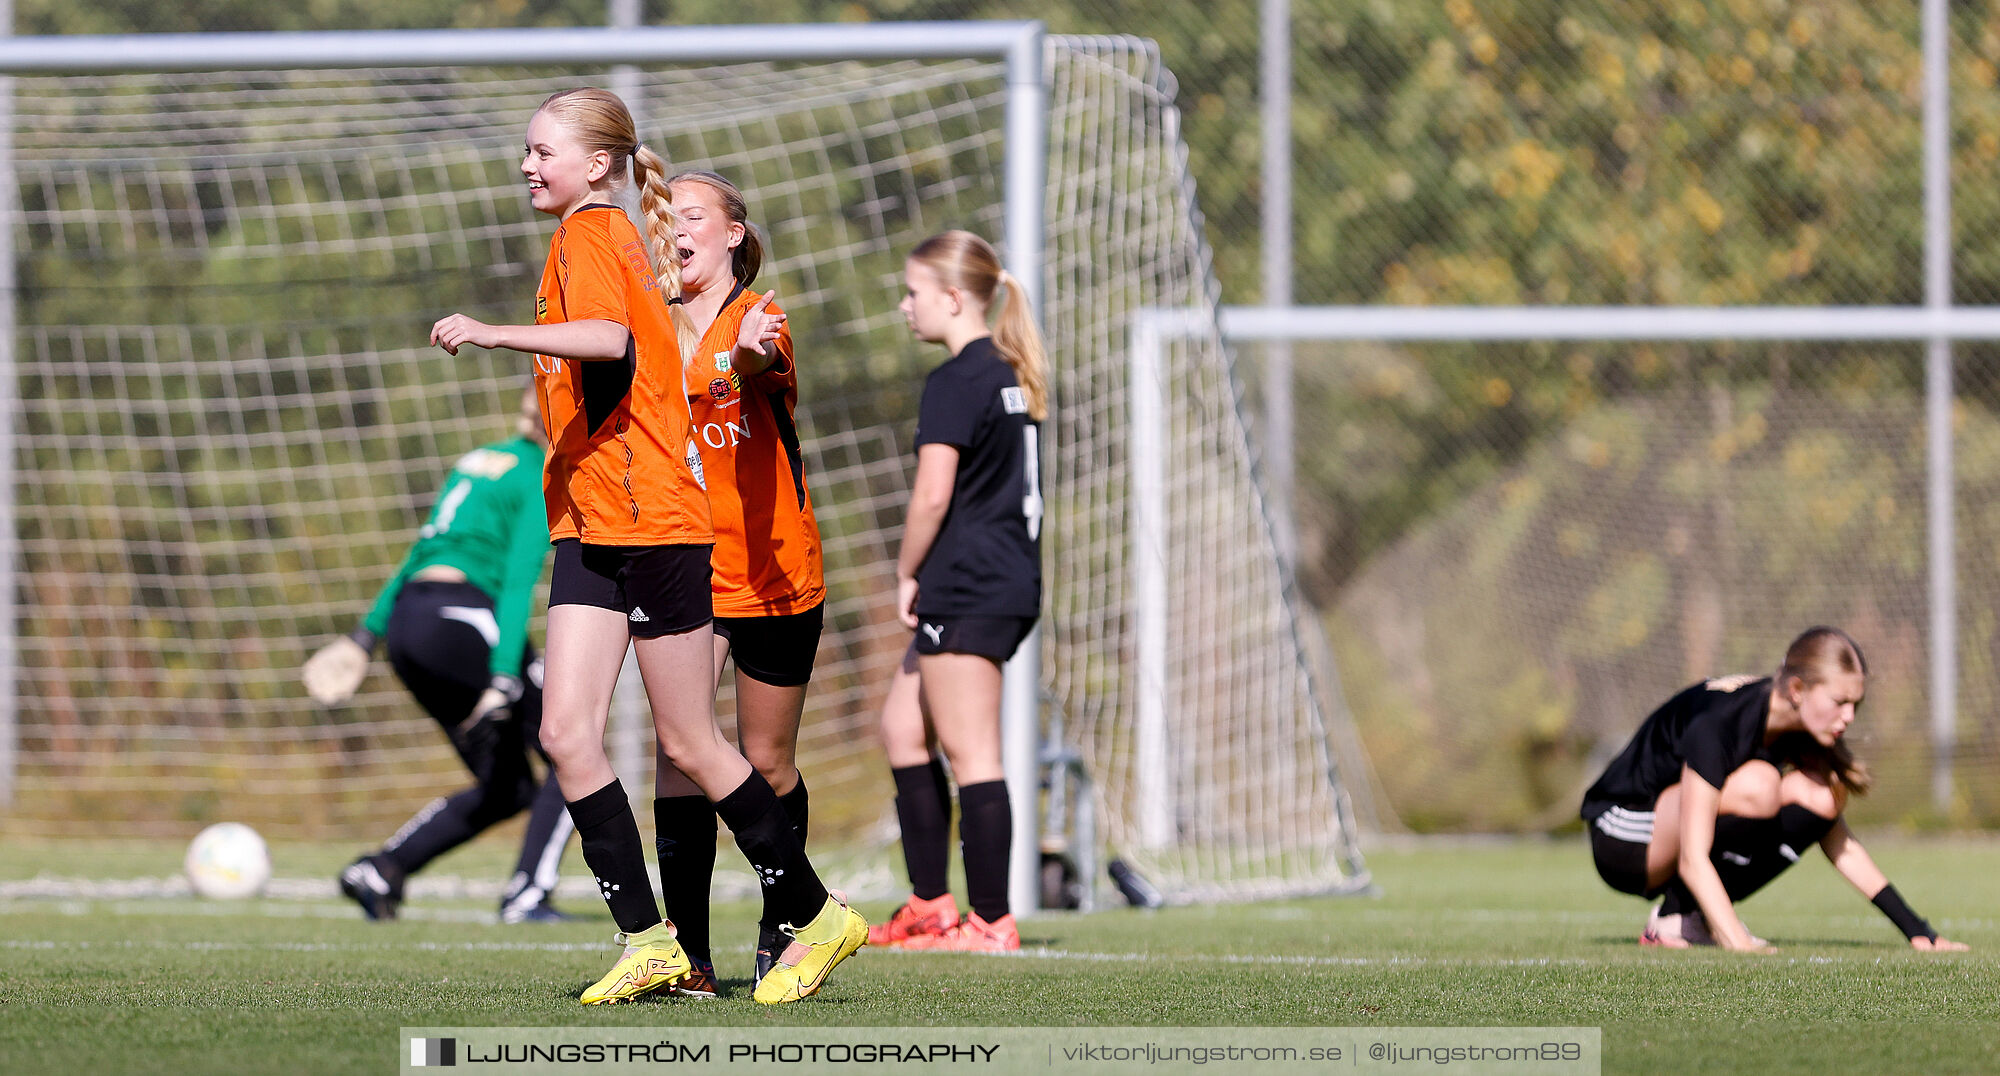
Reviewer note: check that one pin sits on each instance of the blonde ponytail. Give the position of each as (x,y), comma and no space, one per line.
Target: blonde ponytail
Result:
(1020,342)
(964,261)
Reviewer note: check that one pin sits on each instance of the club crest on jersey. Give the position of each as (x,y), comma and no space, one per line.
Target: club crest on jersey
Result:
(719,389)
(722,361)
(1014,400)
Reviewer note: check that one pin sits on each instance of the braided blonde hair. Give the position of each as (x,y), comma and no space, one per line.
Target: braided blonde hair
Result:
(600,121)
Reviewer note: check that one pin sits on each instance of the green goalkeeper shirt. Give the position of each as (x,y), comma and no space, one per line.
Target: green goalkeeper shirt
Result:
(490,523)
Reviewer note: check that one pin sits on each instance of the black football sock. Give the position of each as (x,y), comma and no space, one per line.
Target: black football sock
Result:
(923,808)
(443,824)
(1802,828)
(684,834)
(540,865)
(793,893)
(940,784)
(614,853)
(794,803)
(769,937)
(986,841)
(1750,853)
(1678,899)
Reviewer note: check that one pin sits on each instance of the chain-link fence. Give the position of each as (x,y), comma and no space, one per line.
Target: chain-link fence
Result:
(1523,548)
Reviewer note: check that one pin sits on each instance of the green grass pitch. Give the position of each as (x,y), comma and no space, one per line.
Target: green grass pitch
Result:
(1463,933)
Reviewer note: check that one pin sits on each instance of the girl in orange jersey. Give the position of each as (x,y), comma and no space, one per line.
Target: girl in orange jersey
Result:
(968,581)
(767,583)
(630,522)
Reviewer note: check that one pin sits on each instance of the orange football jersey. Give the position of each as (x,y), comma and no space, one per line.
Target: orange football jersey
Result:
(622,468)
(767,551)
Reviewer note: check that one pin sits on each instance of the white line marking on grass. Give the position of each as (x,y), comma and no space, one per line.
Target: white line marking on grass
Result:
(1502,915)
(263,909)
(1270,960)
(729,886)
(1063,955)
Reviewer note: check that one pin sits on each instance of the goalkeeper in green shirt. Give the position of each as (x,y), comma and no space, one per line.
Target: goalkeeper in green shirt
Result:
(455,618)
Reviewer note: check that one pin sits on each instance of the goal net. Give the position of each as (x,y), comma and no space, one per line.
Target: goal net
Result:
(229,426)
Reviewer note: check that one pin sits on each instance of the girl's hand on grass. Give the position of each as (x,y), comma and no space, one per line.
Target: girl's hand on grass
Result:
(1940,945)
(1747,943)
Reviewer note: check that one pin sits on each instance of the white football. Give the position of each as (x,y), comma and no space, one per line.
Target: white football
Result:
(228,861)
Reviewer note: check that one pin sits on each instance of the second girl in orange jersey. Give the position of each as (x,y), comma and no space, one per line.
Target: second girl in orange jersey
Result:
(767,582)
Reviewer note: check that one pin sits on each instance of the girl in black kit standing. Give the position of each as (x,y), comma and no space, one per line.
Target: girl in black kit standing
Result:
(968,582)
(1727,783)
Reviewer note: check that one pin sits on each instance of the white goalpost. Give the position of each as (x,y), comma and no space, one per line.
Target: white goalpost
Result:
(226,426)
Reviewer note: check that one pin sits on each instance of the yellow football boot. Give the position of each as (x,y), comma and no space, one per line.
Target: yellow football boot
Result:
(833,936)
(653,960)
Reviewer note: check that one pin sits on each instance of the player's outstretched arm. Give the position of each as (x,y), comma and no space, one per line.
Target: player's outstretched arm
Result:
(1854,863)
(585,340)
(335,671)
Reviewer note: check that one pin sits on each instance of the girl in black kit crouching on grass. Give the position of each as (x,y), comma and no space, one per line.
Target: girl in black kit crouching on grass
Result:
(1727,783)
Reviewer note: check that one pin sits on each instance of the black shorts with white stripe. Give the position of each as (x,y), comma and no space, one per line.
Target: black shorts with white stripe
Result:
(1618,840)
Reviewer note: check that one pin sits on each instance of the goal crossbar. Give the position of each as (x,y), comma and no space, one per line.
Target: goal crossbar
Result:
(253,51)
(1658,323)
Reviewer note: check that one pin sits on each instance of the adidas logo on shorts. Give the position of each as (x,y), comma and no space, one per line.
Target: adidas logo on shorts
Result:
(638,616)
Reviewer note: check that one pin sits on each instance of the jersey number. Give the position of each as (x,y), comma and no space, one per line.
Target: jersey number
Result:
(1031,503)
(448,508)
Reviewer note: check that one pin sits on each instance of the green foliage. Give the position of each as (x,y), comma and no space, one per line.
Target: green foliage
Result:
(213,16)
(1695,152)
